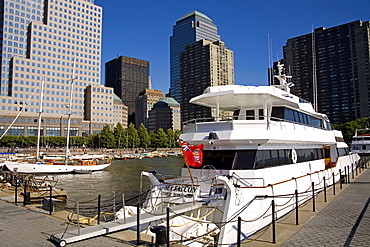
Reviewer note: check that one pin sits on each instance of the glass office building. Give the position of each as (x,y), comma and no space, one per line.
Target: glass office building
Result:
(190,28)
(44,39)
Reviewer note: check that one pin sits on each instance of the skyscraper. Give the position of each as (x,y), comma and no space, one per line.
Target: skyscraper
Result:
(191,27)
(203,63)
(46,39)
(129,77)
(340,58)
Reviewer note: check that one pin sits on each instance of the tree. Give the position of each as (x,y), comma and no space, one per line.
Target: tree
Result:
(153,139)
(106,137)
(143,136)
(172,140)
(120,135)
(132,136)
(162,138)
(349,129)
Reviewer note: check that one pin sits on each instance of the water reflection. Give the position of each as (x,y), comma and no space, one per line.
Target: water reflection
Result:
(123,176)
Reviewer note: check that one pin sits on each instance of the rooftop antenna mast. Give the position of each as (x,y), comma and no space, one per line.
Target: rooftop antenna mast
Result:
(270,65)
(314,75)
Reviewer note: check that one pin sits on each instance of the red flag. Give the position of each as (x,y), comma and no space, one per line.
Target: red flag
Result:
(193,154)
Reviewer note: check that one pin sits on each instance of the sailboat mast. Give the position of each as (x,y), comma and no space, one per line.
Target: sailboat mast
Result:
(39,119)
(69,106)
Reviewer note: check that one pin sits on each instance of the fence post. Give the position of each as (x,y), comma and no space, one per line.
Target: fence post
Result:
(168,227)
(51,200)
(340,178)
(296,207)
(114,203)
(138,224)
(273,222)
(313,196)
(345,175)
(78,217)
(123,207)
(333,183)
(25,193)
(324,189)
(353,175)
(356,168)
(239,230)
(16,192)
(348,175)
(99,198)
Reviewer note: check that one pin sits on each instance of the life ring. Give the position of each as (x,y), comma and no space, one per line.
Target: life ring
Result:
(293,156)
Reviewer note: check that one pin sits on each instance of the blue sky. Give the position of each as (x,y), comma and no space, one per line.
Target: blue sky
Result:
(142,29)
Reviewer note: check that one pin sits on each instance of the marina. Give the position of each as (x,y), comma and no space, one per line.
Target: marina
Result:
(265,153)
(313,229)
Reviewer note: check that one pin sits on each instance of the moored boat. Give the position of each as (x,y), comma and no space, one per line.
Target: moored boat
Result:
(274,145)
(275,151)
(361,142)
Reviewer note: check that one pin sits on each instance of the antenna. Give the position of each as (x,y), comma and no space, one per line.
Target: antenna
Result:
(314,76)
(270,65)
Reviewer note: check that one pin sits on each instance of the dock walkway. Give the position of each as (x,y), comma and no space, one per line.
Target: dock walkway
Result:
(344,220)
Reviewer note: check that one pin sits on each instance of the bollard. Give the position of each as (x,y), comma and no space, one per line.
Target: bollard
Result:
(324,189)
(353,175)
(239,230)
(345,175)
(313,196)
(296,207)
(340,178)
(160,234)
(168,226)
(356,169)
(273,222)
(348,175)
(99,198)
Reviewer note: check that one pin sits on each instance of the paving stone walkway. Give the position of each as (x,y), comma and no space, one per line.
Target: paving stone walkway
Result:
(344,222)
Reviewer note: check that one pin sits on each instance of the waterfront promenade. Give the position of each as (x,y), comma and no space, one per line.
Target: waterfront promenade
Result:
(343,220)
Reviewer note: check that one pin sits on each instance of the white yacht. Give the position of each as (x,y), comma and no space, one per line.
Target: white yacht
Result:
(274,145)
(361,142)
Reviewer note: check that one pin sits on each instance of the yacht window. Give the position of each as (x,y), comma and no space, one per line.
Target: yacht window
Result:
(222,160)
(236,114)
(277,113)
(260,114)
(249,114)
(244,159)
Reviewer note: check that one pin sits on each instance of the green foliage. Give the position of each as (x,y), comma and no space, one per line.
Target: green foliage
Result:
(132,136)
(163,140)
(118,138)
(144,137)
(107,139)
(120,135)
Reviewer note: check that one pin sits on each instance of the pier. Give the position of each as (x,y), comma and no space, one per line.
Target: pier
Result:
(340,221)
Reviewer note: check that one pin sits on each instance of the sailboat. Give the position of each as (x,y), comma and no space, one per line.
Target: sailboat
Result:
(68,164)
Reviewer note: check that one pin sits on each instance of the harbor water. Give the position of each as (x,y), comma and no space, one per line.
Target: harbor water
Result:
(122,176)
